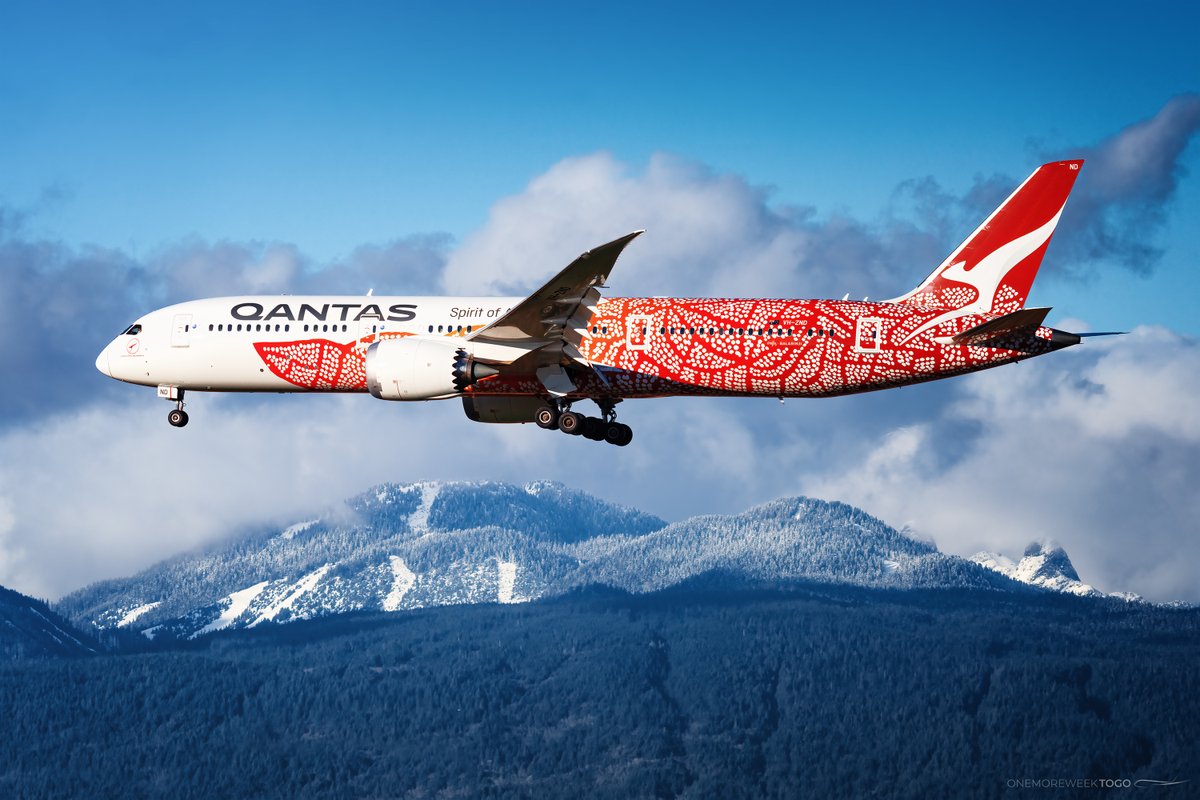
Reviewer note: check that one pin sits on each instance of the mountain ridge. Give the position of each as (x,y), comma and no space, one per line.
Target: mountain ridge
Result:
(403,546)
(29,628)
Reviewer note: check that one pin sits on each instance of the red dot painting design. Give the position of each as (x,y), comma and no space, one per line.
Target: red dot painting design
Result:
(321,364)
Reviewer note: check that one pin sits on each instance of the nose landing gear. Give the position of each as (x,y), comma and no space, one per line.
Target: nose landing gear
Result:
(176,416)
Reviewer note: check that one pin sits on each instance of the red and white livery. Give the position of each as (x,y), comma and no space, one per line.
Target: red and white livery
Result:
(530,359)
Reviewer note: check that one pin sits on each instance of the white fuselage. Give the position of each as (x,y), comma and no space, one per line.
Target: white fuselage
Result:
(210,345)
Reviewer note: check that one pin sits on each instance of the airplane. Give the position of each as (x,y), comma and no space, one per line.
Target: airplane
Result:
(521,360)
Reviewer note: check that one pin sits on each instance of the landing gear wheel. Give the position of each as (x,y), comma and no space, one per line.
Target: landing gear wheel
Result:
(547,417)
(618,434)
(593,429)
(571,423)
(177,417)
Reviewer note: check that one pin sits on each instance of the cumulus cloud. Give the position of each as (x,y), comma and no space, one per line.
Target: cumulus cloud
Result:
(1117,209)
(110,489)
(60,305)
(709,234)
(715,234)
(1124,193)
(1094,447)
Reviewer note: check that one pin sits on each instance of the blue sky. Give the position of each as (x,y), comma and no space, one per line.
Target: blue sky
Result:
(132,126)
(153,153)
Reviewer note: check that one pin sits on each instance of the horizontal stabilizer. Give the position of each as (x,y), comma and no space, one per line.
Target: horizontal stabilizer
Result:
(1021,321)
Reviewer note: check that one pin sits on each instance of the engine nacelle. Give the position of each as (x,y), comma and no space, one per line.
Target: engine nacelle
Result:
(413,368)
(502,409)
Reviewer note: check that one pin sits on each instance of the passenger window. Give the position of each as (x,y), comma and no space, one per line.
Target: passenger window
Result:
(287,327)
(468,329)
(431,329)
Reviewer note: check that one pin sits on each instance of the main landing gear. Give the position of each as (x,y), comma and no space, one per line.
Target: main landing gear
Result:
(559,416)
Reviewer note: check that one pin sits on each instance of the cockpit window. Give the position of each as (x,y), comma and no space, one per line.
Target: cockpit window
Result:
(132,330)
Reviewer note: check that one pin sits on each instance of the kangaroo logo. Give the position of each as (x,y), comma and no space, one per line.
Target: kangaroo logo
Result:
(988,275)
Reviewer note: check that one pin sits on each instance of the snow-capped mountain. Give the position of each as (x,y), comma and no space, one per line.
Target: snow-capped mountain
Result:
(28,628)
(400,547)
(1045,564)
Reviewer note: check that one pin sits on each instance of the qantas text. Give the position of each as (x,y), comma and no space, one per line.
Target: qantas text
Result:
(342,312)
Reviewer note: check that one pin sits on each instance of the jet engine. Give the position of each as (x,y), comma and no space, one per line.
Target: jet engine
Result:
(418,368)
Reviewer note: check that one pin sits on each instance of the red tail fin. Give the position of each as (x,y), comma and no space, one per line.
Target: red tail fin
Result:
(992,271)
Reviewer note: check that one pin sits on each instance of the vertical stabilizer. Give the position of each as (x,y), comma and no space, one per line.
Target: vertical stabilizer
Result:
(993,270)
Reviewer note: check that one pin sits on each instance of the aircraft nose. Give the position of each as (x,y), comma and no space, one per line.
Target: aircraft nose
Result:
(102,362)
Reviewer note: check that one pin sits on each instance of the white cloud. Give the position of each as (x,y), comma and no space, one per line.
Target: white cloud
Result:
(706,233)
(1096,447)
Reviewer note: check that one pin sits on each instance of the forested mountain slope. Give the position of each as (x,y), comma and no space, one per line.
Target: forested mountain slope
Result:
(699,690)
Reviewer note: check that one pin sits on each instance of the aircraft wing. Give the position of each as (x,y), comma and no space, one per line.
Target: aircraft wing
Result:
(542,333)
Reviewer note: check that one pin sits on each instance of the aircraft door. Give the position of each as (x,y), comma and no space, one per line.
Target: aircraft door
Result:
(637,332)
(868,336)
(181,330)
(368,332)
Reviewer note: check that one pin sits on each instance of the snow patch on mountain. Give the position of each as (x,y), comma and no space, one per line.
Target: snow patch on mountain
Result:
(418,521)
(403,580)
(239,602)
(1044,564)
(57,631)
(131,616)
(300,527)
(507,572)
(297,590)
